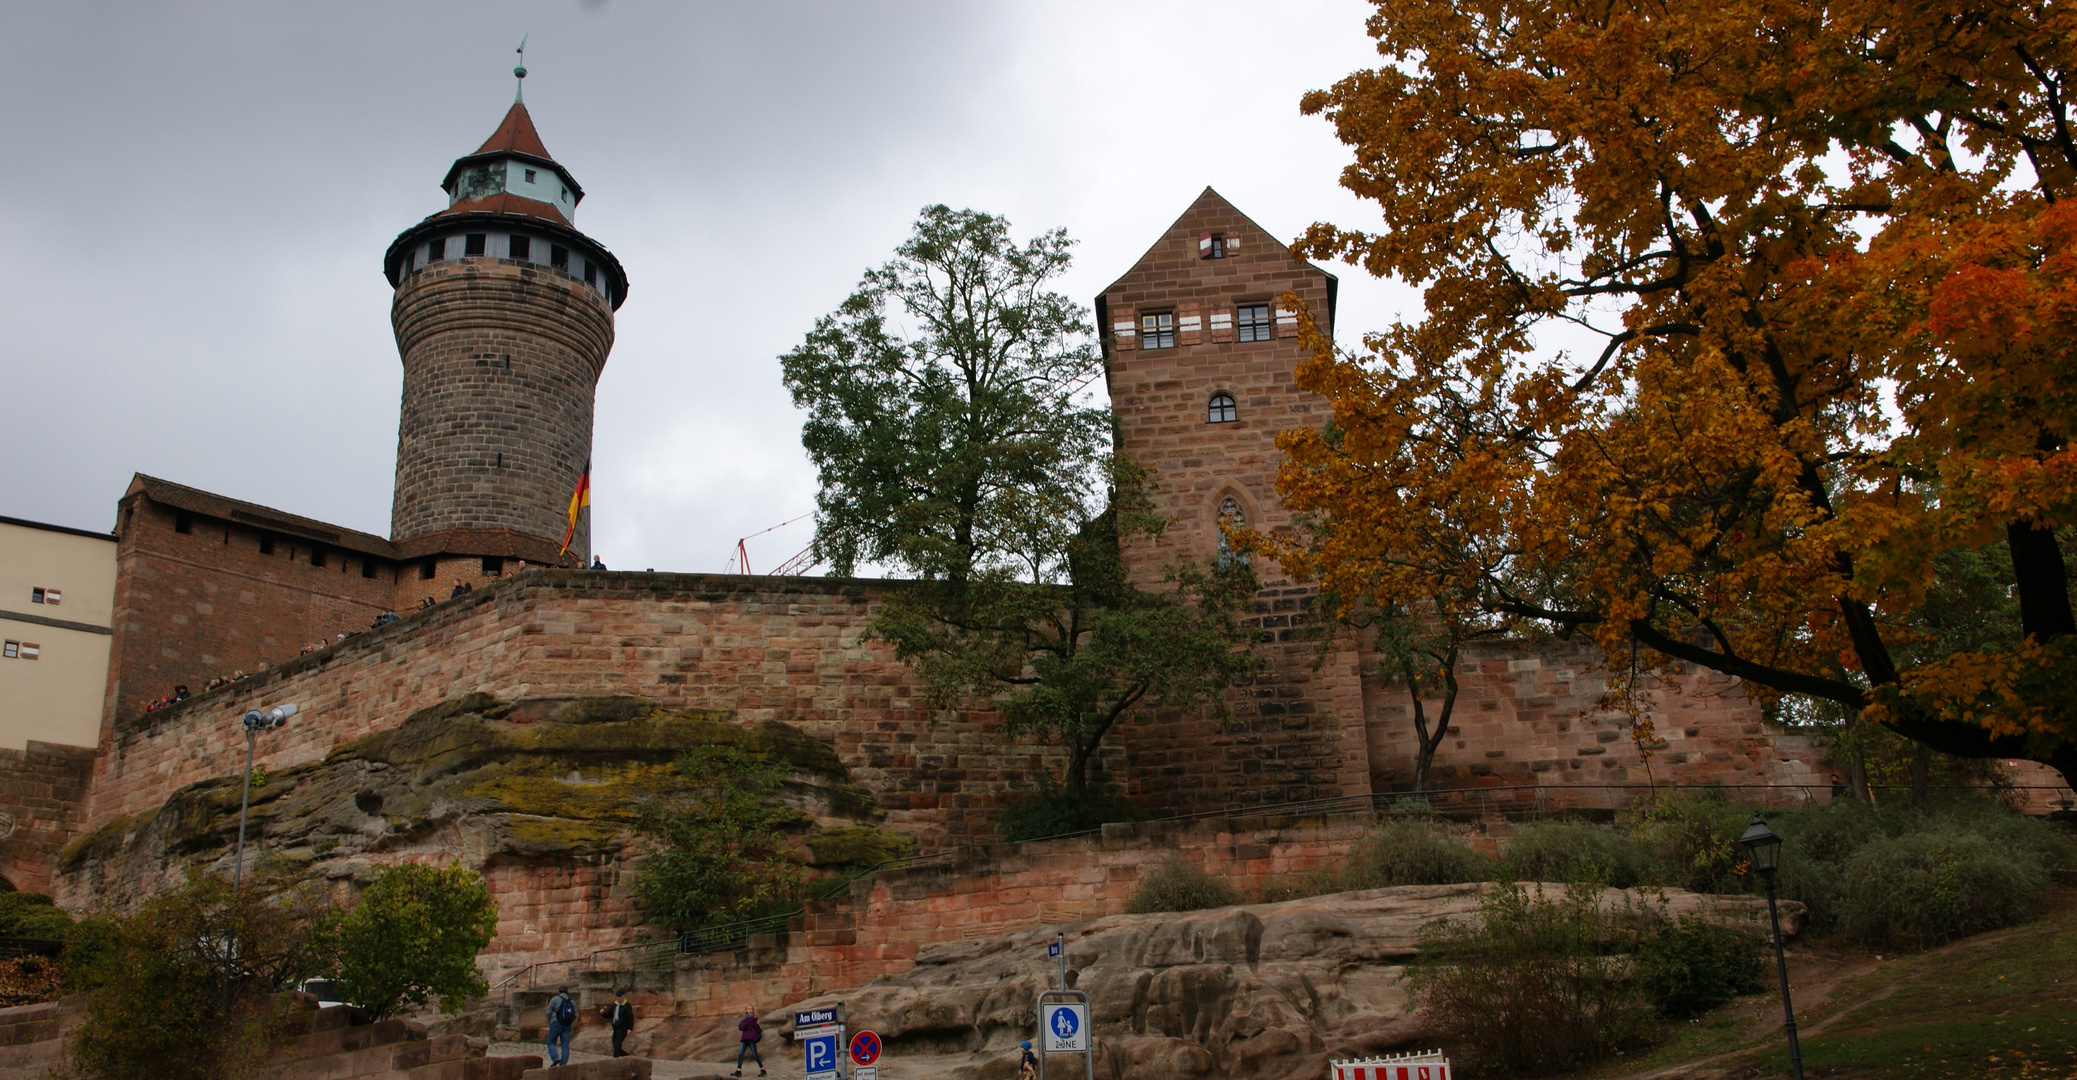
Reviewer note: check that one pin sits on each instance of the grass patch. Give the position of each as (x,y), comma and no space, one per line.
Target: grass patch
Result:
(2001,1005)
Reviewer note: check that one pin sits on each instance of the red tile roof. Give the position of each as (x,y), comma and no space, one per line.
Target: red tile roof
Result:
(515,135)
(506,203)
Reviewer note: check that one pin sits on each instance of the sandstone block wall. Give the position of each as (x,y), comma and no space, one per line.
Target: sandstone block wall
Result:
(1531,714)
(192,606)
(786,649)
(500,362)
(1300,731)
(43,790)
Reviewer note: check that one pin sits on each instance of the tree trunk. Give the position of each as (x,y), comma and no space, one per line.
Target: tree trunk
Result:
(1921,774)
(1857,775)
(2041,580)
(1424,758)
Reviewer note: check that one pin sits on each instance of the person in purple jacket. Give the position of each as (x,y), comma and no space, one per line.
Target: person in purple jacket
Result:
(751,1034)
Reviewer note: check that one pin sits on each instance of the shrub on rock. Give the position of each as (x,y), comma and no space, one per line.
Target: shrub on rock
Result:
(1692,965)
(1174,883)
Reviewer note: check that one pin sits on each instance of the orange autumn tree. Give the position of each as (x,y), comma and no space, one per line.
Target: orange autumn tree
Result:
(1743,319)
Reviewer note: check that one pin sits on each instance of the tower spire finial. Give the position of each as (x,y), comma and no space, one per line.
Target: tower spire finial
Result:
(519,72)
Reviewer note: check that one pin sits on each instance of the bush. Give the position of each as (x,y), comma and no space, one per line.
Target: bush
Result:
(1693,965)
(1409,852)
(1174,883)
(413,938)
(1692,842)
(184,989)
(1058,811)
(1926,888)
(32,915)
(1575,851)
(721,854)
(1532,984)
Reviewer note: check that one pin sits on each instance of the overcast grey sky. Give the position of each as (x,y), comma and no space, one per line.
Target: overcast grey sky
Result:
(198,196)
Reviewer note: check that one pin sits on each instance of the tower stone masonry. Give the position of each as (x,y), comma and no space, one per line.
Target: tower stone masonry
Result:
(504,318)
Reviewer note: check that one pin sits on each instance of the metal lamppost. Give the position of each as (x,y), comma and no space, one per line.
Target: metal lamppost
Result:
(255,722)
(1764,849)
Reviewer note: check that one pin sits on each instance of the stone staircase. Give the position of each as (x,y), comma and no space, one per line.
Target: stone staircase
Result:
(322,1044)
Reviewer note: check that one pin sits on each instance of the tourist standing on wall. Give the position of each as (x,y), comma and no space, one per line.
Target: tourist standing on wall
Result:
(751,1034)
(562,1016)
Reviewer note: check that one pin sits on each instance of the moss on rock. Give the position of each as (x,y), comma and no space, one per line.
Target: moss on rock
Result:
(858,845)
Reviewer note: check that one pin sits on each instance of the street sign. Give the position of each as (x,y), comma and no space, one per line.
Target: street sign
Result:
(820,1053)
(1052,949)
(813,1017)
(816,1032)
(865,1048)
(1067,1028)
(866,1072)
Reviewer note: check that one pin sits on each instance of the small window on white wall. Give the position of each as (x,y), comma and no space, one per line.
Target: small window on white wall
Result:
(11,650)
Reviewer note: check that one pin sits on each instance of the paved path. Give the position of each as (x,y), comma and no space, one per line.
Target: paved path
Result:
(663,1070)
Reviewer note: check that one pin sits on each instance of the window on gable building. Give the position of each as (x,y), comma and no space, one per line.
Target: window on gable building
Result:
(435,250)
(530,176)
(1221,410)
(183,522)
(35,596)
(1211,246)
(1157,331)
(493,566)
(427,569)
(591,273)
(1252,322)
(1230,517)
(367,568)
(266,544)
(472,244)
(11,650)
(559,257)
(522,248)
(317,556)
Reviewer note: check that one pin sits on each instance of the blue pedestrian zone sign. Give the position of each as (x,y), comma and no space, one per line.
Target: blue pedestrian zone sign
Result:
(1067,1028)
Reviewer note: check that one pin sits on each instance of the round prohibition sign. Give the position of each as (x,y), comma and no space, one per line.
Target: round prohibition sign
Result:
(865,1048)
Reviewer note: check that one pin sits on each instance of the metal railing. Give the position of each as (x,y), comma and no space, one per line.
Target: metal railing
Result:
(1503,798)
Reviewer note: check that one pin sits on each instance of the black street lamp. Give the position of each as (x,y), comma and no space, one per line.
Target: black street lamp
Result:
(255,722)
(1763,848)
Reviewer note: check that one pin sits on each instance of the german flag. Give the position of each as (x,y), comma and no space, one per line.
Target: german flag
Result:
(579,499)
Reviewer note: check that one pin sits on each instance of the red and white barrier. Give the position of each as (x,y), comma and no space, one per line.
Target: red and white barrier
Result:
(1425,1066)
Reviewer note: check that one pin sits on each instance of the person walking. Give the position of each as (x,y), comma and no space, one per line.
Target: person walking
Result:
(562,1016)
(1027,1062)
(620,1016)
(751,1033)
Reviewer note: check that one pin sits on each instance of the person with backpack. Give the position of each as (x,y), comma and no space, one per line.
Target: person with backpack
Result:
(562,1016)
(1027,1062)
(751,1033)
(620,1016)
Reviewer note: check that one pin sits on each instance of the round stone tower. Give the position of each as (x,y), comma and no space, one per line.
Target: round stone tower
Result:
(504,316)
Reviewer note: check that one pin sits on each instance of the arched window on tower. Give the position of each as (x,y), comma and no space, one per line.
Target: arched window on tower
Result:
(1221,410)
(1230,517)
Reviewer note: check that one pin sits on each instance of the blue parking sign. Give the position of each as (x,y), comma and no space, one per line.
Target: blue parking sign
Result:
(820,1053)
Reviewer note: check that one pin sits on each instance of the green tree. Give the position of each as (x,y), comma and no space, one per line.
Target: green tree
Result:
(722,852)
(940,406)
(413,938)
(944,423)
(183,990)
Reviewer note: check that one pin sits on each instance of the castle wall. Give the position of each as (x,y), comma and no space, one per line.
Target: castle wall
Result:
(196,605)
(1531,714)
(43,789)
(786,649)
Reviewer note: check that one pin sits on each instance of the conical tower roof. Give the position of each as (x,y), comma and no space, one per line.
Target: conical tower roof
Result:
(515,134)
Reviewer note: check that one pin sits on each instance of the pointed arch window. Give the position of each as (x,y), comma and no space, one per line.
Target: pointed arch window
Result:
(1221,410)
(1230,517)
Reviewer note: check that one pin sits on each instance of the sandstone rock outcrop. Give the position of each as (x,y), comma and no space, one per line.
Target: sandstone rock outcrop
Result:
(1239,993)
(473,779)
